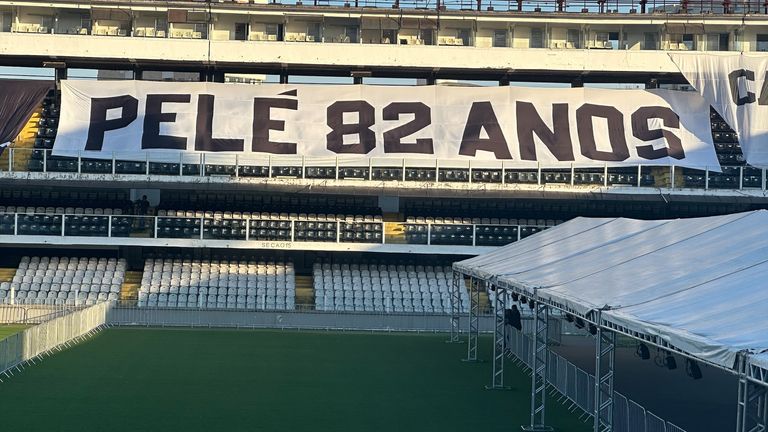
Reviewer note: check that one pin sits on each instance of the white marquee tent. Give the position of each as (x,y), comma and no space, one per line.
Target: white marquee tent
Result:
(700,285)
(696,286)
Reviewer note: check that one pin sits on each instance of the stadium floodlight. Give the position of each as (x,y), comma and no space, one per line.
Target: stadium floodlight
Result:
(642,351)
(592,329)
(692,369)
(670,362)
(579,323)
(531,304)
(515,297)
(569,318)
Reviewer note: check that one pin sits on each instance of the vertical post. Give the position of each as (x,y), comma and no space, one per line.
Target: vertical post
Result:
(639,175)
(499,338)
(45,161)
(752,413)
(604,366)
(706,179)
(456,307)
(474,321)
(539,369)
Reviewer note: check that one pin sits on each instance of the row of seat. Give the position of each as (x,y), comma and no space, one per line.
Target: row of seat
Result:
(58,280)
(219,284)
(384,288)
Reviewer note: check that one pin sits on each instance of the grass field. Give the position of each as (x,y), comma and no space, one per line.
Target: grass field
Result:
(230,380)
(9,329)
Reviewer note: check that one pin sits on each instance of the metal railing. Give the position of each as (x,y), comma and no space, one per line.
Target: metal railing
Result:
(261,229)
(125,313)
(255,167)
(576,388)
(32,343)
(16,313)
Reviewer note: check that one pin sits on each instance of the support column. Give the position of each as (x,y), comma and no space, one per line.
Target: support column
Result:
(357,80)
(499,339)
(474,321)
(283,78)
(605,345)
(456,287)
(539,370)
(752,414)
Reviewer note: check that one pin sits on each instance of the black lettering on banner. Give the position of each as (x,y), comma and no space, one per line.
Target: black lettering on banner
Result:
(98,123)
(586,132)
(481,116)
(335,120)
(558,141)
(733,81)
(422,118)
(763,99)
(204,140)
(263,123)
(641,131)
(154,115)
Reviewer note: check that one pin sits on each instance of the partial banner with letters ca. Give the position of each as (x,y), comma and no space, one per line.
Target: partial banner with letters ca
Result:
(140,119)
(736,85)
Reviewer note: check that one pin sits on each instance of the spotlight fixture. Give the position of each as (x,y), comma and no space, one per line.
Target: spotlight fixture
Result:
(642,351)
(579,323)
(515,297)
(592,329)
(569,317)
(692,369)
(531,303)
(523,299)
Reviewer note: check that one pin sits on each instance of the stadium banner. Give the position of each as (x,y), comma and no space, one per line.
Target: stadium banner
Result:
(736,85)
(140,119)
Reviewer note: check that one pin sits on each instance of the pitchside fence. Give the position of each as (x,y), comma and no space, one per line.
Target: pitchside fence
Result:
(61,331)
(126,314)
(576,388)
(33,313)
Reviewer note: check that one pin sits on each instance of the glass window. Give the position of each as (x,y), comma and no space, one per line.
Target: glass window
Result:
(499,38)
(463,34)
(573,38)
(762,42)
(650,41)
(689,41)
(537,38)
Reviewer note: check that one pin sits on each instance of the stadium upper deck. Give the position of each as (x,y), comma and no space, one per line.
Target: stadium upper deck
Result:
(521,40)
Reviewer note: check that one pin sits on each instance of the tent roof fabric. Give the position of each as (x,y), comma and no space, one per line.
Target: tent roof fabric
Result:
(698,284)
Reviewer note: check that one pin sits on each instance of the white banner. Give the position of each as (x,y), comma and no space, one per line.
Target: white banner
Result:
(140,119)
(735,85)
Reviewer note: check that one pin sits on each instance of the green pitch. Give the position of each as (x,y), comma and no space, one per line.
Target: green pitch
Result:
(9,329)
(229,380)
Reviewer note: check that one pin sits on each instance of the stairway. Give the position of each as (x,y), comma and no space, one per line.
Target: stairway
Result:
(394,233)
(305,291)
(129,291)
(7,274)
(25,140)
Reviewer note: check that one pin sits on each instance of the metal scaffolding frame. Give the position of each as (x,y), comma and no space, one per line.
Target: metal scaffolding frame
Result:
(499,339)
(473,331)
(752,414)
(458,280)
(605,350)
(539,369)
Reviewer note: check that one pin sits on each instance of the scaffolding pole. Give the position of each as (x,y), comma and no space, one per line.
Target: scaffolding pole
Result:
(605,345)
(474,320)
(458,279)
(752,414)
(539,369)
(499,339)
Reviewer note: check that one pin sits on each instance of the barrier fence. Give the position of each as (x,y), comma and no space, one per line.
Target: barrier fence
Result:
(26,346)
(32,313)
(123,314)
(577,389)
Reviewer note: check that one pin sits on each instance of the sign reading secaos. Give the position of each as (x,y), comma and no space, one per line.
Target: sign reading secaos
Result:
(131,119)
